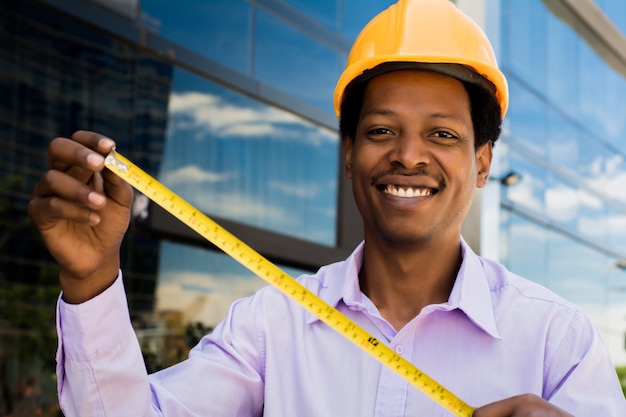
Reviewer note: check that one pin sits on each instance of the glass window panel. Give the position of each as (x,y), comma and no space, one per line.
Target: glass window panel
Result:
(528,255)
(240,159)
(592,85)
(616,230)
(614,176)
(294,63)
(527,118)
(529,192)
(591,218)
(576,272)
(217,29)
(562,202)
(524,50)
(325,12)
(562,68)
(563,143)
(613,324)
(614,119)
(595,159)
(202,284)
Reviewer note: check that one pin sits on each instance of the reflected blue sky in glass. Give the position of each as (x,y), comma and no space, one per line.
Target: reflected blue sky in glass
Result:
(527,249)
(576,272)
(562,145)
(523,50)
(217,29)
(529,192)
(562,202)
(527,118)
(562,65)
(237,158)
(289,61)
(326,12)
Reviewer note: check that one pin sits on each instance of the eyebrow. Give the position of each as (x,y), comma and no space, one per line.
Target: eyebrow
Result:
(433,115)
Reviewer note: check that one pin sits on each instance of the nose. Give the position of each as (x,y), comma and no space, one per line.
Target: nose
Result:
(409,151)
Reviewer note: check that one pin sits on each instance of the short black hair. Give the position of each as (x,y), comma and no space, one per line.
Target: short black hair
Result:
(484,107)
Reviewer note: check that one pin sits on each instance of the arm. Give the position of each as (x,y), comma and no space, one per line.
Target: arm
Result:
(100,367)
(82,212)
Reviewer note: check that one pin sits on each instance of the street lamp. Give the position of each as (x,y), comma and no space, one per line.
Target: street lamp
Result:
(510,178)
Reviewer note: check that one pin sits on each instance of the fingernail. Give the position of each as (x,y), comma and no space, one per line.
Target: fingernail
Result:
(94,160)
(106,143)
(95,198)
(94,219)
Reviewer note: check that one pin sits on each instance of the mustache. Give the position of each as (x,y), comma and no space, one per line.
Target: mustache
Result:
(417,172)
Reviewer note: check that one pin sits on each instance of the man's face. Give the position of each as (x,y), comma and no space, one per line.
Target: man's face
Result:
(412,163)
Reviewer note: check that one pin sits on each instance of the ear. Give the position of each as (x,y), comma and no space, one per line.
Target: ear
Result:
(484,155)
(347,149)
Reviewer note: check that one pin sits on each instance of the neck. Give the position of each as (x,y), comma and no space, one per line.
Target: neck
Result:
(401,282)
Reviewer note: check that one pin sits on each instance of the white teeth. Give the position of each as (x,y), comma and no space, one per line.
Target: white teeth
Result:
(407,192)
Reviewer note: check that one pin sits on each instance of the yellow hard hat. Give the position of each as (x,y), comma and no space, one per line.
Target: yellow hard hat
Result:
(424,33)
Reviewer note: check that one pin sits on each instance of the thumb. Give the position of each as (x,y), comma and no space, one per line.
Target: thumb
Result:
(116,188)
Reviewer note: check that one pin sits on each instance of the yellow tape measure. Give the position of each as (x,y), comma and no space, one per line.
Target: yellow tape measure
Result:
(266,270)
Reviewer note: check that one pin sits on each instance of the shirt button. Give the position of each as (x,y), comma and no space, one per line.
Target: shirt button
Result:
(399,349)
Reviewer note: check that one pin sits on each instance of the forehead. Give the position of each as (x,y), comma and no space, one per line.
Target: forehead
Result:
(420,84)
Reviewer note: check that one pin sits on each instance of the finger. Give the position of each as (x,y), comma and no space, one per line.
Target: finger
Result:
(84,150)
(117,189)
(63,186)
(46,212)
(93,140)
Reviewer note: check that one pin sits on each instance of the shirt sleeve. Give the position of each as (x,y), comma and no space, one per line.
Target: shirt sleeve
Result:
(591,386)
(100,367)
(101,371)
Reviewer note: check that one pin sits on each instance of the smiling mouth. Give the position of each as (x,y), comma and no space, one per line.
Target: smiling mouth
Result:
(407,192)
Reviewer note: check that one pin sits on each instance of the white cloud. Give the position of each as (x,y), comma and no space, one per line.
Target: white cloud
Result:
(522,192)
(616,186)
(304,191)
(193,173)
(210,114)
(562,203)
(243,208)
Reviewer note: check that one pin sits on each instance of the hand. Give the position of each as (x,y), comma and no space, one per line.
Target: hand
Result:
(82,212)
(526,405)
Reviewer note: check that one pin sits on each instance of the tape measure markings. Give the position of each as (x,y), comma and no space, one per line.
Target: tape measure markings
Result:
(274,276)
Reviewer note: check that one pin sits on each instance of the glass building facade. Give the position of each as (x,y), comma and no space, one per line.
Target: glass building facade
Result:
(564,223)
(229,103)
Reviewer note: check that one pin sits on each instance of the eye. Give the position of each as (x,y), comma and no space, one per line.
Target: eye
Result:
(379,131)
(444,136)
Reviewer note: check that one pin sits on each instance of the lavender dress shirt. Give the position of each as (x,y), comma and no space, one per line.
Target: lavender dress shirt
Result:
(498,335)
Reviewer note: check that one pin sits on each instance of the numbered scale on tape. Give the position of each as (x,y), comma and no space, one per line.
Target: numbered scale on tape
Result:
(273,275)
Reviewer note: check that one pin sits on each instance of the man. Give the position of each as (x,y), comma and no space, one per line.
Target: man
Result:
(420,106)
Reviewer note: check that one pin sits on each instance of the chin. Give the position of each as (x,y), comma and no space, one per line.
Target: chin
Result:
(406,238)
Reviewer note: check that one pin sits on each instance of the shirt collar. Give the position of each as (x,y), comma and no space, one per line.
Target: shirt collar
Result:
(470,293)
